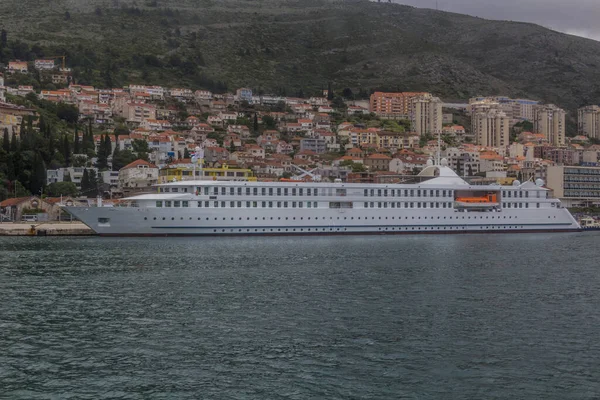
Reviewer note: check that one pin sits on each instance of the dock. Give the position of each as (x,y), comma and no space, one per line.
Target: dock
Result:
(45,229)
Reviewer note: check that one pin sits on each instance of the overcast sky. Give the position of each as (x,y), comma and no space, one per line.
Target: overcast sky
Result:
(577,17)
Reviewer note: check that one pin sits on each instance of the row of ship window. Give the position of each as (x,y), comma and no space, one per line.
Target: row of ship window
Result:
(264,191)
(332,218)
(314,204)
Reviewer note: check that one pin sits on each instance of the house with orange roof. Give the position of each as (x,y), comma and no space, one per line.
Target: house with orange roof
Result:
(216,154)
(13,209)
(17,66)
(138,176)
(377,162)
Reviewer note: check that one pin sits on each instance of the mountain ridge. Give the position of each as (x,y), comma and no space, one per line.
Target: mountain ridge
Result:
(291,46)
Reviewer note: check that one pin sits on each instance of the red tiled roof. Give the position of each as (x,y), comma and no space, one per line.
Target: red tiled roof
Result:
(139,162)
(15,201)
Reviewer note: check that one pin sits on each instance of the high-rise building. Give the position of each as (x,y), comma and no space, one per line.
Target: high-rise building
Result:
(426,114)
(516,109)
(392,105)
(588,121)
(490,125)
(550,120)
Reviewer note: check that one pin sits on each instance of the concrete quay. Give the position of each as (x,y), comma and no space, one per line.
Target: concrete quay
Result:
(45,229)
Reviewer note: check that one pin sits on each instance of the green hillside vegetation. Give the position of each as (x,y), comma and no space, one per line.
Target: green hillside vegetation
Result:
(292,46)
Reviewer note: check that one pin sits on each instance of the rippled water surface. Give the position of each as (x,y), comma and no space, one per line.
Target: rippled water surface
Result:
(389,317)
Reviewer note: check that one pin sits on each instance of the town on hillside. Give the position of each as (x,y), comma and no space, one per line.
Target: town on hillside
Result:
(119,141)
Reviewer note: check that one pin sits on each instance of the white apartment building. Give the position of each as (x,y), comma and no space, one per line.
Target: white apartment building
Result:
(426,114)
(550,120)
(588,121)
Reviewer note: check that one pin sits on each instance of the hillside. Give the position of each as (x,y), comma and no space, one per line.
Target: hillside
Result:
(287,46)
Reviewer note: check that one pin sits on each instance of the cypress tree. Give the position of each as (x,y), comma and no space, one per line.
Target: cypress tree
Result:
(186,153)
(66,151)
(6,141)
(329,91)
(38,175)
(10,169)
(14,145)
(255,124)
(76,149)
(107,147)
(85,182)
(93,183)
(3,39)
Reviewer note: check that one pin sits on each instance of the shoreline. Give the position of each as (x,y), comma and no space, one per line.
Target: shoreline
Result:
(46,229)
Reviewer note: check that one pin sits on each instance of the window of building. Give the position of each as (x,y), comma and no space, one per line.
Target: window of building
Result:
(278,191)
(239,191)
(185,204)
(167,203)
(159,203)
(293,191)
(223,190)
(216,204)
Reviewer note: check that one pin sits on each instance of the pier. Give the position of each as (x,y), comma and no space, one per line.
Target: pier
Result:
(45,229)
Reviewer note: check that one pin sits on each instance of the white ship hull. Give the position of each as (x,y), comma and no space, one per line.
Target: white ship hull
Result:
(276,208)
(130,221)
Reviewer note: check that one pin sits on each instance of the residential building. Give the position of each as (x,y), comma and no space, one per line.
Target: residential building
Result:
(244,94)
(377,162)
(319,146)
(550,121)
(215,154)
(139,175)
(17,67)
(392,105)
(44,65)
(575,186)
(426,114)
(464,161)
(490,126)
(74,173)
(588,121)
(138,112)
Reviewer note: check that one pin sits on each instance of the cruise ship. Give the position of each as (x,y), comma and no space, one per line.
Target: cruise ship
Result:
(442,202)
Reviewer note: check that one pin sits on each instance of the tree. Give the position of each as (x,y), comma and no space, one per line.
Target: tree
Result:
(57,189)
(123,158)
(255,124)
(3,39)
(67,15)
(356,167)
(85,182)
(38,175)
(140,146)
(329,92)
(347,93)
(104,150)
(67,112)
(338,103)
(14,145)
(66,151)
(269,122)
(76,146)
(6,141)
(93,191)
(186,153)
